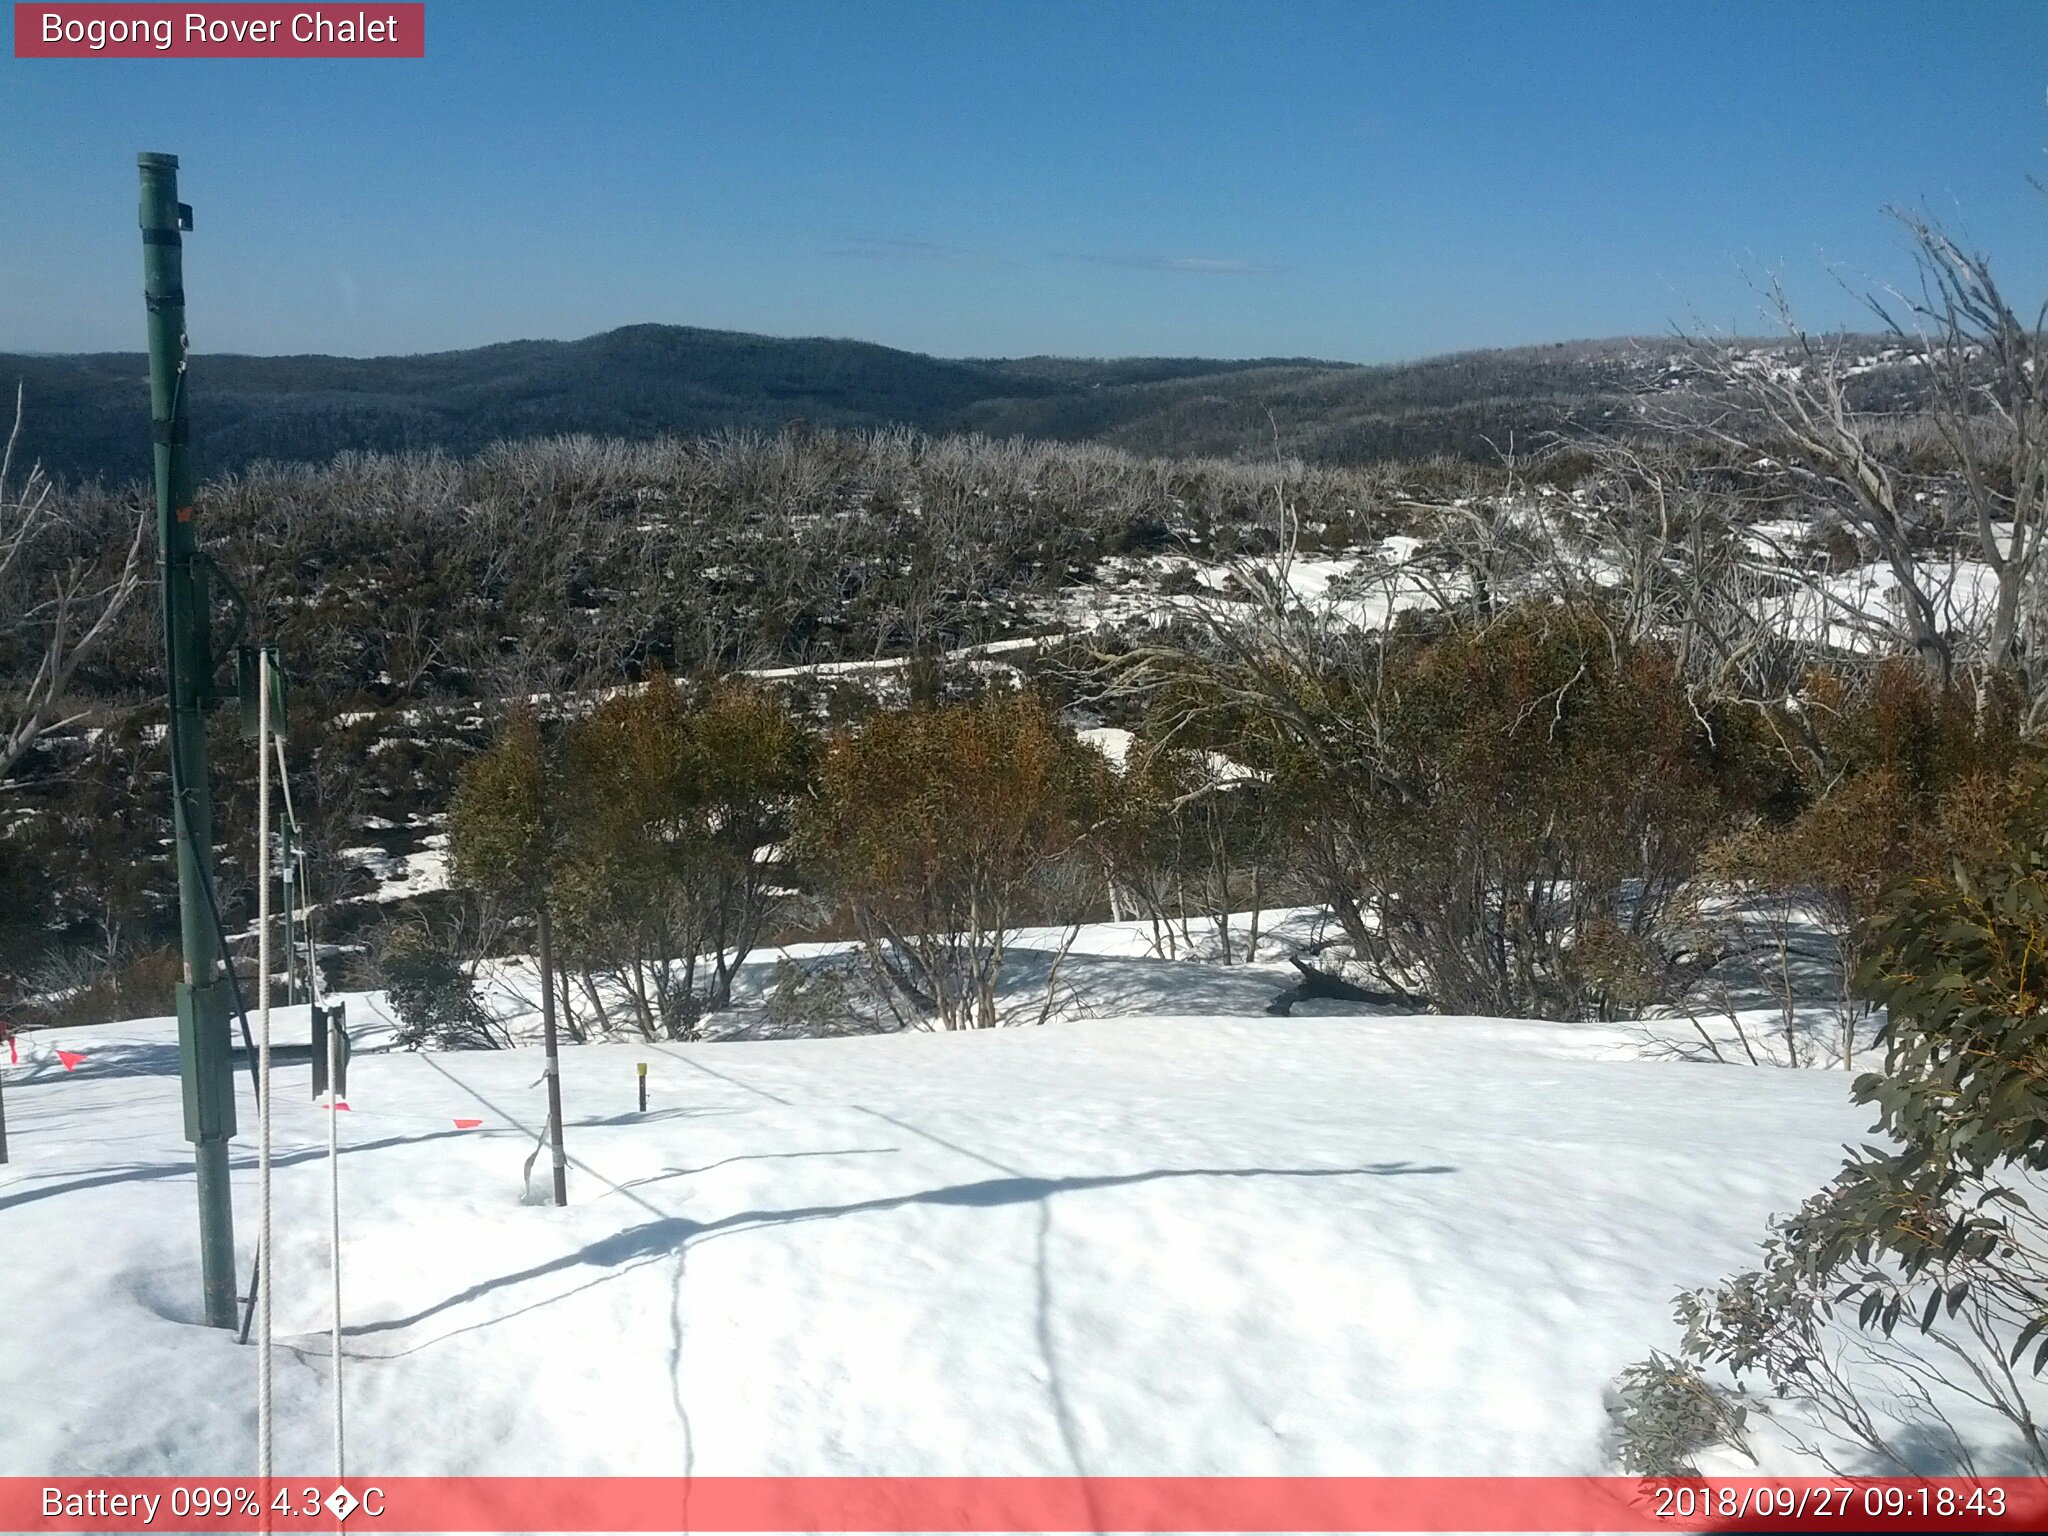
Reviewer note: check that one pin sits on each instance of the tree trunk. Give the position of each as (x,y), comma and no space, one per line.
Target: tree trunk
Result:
(575,1027)
(604,1018)
(641,1005)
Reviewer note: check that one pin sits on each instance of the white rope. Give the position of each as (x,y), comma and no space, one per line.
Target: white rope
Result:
(305,898)
(334,1230)
(265,1276)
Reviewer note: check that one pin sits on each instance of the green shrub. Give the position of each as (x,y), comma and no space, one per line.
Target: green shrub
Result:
(1933,1233)
(1667,1413)
(940,831)
(431,991)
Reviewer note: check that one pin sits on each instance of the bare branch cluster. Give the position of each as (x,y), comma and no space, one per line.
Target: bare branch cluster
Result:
(58,602)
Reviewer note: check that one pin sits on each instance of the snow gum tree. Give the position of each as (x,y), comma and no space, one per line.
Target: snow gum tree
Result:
(1189,834)
(674,856)
(504,835)
(941,831)
(1562,789)
(504,825)
(1503,814)
(1885,771)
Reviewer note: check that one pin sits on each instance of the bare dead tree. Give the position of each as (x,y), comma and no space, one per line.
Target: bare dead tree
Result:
(1989,402)
(1804,421)
(57,604)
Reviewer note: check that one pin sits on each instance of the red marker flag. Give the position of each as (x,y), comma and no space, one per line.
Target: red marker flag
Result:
(467,1125)
(71,1059)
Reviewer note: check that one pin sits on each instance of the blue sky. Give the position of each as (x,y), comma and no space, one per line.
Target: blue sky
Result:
(1365,181)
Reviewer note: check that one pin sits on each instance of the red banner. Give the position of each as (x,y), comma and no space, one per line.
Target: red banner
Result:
(242,31)
(1015,1504)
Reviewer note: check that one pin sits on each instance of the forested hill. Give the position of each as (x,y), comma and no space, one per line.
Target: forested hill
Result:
(87,415)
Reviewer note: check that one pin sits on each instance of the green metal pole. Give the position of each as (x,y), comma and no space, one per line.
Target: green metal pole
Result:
(205,1058)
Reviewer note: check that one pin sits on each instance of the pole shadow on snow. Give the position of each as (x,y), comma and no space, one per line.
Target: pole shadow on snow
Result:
(655,1239)
(1042,1304)
(670,1237)
(102,1062)
(107,1061)
(726,1077)
(141,1172)
(633,1117)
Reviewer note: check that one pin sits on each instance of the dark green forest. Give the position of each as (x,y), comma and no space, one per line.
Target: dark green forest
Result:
(648,381)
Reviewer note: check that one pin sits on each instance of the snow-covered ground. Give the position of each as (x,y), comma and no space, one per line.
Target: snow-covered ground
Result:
(1168,1239)
(399,876)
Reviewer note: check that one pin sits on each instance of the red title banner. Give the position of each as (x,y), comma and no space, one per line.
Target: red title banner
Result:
(1016,1504)
(246,31)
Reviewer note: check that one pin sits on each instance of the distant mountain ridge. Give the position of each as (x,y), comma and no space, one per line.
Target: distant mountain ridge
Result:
(87,413)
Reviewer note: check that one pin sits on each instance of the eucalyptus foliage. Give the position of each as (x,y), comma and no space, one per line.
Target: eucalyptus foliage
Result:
(1912,1292)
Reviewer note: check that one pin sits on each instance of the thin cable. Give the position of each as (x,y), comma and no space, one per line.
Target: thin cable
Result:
(241,1006)
(305,885)
(294,863)
(284,783)
(288,865)
(265,1256)
(256,1080)
(312,945)
(227,960)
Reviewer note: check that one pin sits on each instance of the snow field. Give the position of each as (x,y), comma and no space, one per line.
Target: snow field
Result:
(1160,1244)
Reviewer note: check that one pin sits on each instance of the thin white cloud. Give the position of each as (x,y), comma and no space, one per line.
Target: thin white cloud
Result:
(880,248)
(897,248)
(1224,266)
